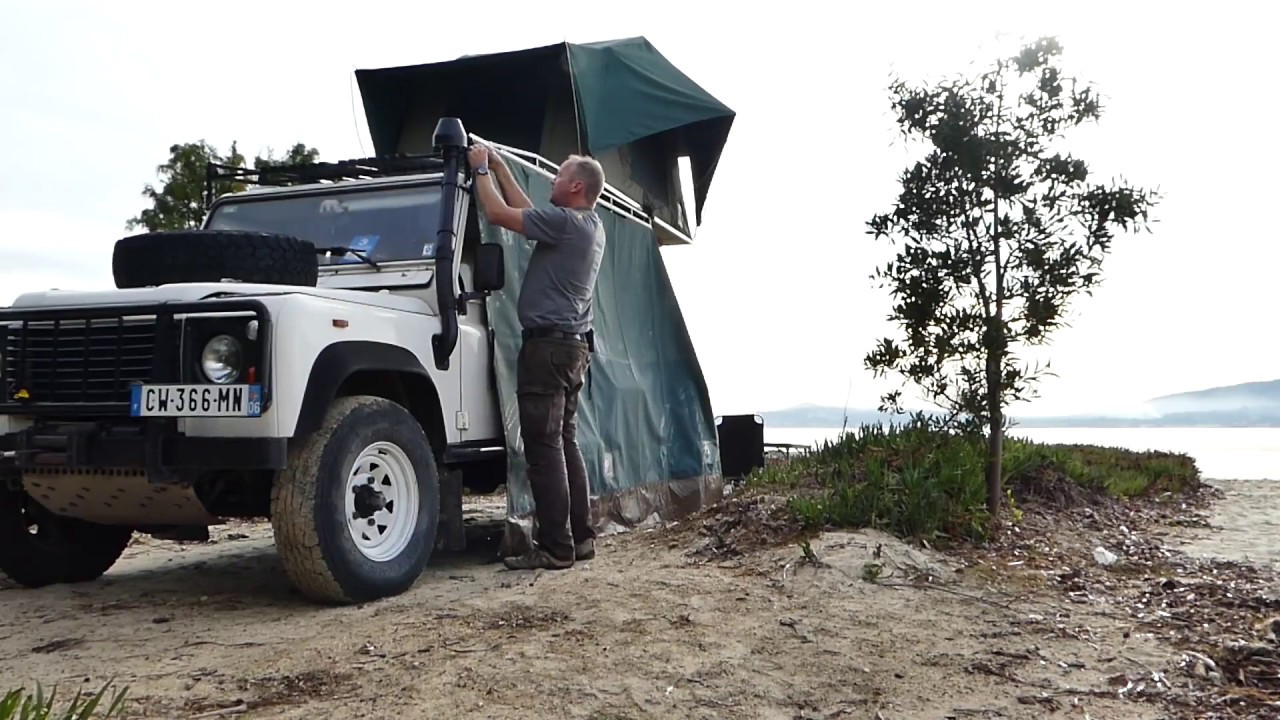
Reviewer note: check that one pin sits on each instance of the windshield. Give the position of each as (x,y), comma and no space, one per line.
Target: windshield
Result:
(383,225)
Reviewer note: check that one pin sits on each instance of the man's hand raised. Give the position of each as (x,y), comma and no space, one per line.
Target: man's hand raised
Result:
(479,155)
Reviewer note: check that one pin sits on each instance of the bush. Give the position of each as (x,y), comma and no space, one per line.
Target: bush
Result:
(20,705)
(918,482)
(1116,471)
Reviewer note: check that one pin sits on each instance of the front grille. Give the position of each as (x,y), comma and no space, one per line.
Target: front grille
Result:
(77,361)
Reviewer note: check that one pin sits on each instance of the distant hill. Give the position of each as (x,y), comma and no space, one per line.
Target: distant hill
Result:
(818,416)
(1254,404)
(1252,396)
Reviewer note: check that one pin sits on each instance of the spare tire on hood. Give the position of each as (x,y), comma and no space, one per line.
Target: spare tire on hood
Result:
(186,256)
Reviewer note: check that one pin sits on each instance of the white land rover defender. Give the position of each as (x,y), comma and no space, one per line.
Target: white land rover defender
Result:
(344,390)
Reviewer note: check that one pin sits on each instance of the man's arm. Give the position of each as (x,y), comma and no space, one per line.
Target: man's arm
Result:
(496,210)
(510,188)
(545,225)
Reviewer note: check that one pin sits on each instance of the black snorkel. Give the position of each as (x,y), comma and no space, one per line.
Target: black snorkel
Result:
(450,139)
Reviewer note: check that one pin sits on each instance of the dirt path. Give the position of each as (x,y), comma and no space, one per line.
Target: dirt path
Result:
(645,630)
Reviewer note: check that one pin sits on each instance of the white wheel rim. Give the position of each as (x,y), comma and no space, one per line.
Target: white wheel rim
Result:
(382,501)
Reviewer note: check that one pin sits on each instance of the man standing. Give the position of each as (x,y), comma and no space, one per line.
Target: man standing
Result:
(555,313)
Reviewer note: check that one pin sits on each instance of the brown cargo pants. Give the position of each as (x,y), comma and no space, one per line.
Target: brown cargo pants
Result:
(549,378)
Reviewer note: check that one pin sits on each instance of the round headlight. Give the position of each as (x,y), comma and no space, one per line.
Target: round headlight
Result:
(221,360)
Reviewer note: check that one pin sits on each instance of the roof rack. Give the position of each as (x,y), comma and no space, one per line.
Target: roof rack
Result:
(318,172)
(414,164)
(610,195)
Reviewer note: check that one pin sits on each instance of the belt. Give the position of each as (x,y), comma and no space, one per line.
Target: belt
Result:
(532,333)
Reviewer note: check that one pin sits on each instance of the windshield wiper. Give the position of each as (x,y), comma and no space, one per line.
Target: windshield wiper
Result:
(349,251)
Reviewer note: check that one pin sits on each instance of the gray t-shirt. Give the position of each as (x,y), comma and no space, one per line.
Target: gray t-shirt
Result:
(561,277)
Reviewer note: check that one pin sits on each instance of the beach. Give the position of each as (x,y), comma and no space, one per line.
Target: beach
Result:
(1246,524)
(726,615)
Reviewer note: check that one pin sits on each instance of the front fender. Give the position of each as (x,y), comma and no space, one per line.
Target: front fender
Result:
(340,361)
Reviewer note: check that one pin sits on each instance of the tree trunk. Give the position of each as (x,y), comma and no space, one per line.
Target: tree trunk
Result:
(995,439)
(995,452)
(997,343)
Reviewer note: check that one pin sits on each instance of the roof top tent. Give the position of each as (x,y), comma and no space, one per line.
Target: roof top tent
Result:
(620,101)
(645,424)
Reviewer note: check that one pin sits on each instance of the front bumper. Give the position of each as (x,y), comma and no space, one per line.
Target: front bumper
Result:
(156,447)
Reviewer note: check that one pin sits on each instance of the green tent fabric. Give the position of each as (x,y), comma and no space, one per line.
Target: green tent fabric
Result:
(620,101)
(628,91)
(645,422)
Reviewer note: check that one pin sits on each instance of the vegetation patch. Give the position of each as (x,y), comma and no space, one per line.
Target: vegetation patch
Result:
(1111,471)
(21,704)
(919,482)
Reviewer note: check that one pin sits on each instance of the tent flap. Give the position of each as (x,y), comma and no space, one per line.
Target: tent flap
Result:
(645,424)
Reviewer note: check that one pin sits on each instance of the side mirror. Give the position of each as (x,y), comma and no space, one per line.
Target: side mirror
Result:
(490,272)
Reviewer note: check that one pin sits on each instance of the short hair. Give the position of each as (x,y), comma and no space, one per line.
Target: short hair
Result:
(588,170)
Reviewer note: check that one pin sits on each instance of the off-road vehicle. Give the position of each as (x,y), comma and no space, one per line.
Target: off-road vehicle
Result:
(242,371)
(334,348)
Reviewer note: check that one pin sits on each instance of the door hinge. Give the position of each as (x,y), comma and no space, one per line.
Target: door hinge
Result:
(461,421)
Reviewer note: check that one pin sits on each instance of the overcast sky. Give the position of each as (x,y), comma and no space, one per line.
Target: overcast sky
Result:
(92,94)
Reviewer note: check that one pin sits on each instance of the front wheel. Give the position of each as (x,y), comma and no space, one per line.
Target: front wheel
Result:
(355,513)
(39,548)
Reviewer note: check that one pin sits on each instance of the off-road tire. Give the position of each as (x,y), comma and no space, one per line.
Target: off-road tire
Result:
(62,550)
(308,514)
(186,256)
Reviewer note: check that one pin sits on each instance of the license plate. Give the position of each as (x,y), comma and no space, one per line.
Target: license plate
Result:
(196,401)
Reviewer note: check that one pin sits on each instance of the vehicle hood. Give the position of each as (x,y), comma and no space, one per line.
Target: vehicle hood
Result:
(188,292)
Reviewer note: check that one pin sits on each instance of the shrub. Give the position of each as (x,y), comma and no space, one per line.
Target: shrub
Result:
(1116,471)
(919,482)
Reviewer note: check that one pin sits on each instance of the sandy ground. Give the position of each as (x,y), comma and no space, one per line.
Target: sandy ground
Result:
(1246,524)
(658,625)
